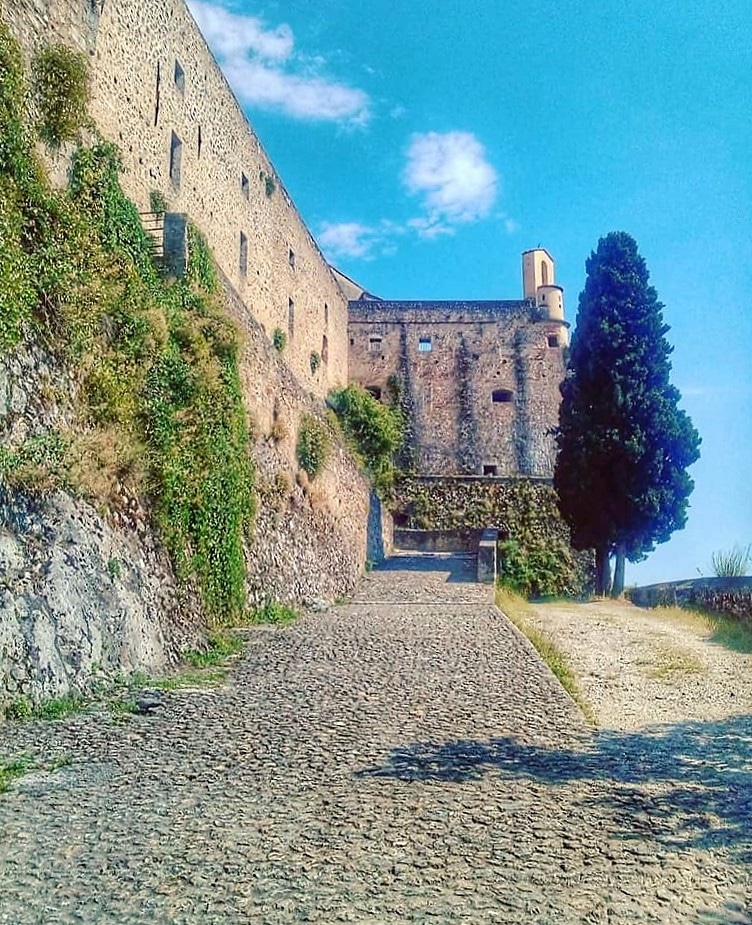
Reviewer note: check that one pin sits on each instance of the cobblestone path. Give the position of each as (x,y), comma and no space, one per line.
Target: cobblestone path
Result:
(401,758)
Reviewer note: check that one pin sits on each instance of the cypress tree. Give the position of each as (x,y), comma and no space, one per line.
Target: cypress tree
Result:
(624,445)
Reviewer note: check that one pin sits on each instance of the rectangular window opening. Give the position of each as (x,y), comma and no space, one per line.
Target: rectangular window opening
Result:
(176,155)
(245,186)
(179,76)
(243,258)
(290,319)
(553,340)
(374,345)
(501,396)
(425,345)
(490,470)
(291,258)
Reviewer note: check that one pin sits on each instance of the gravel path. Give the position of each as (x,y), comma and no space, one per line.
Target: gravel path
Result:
(637,667)
(402,758)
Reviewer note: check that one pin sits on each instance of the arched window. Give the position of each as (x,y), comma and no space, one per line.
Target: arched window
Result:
(544,272)
(501,395)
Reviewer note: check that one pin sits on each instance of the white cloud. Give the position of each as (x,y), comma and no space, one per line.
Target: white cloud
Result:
(353,239)
(264,70)
(452,175)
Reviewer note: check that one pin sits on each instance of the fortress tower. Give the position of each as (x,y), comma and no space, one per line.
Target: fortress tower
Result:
(538,282)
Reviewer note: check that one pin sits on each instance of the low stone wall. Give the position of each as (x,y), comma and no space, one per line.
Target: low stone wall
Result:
(437,540)
(731,596)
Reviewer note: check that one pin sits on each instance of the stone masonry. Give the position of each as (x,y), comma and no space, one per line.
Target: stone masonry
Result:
(479,380)
(158,93)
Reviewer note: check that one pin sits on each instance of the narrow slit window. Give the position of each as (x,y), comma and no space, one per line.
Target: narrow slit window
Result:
(245,186)
(243,257)
(324,349)
(326,314)
(156,98)
(425,345)
(501,396)
(199,142)
(290,318)
(544,272)
(374,345)
(291,258)
(176,156)
(179,76)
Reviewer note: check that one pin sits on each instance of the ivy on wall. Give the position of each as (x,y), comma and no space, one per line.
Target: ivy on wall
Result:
(160,411)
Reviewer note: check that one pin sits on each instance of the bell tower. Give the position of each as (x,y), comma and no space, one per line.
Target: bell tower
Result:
(538,282)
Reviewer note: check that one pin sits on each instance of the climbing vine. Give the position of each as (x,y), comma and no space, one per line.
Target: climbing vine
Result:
(161,411)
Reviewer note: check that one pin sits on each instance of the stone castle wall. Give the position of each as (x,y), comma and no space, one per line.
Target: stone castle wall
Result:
(481,380)
(159,94)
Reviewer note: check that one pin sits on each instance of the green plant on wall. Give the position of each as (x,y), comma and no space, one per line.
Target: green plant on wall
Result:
(157,202)
(374,430)
(315,362)
(269,186)
(160,407)
(279,339)
(314,445)
(61,92)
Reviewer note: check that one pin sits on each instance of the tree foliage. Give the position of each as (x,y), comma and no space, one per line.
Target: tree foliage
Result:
(624,444)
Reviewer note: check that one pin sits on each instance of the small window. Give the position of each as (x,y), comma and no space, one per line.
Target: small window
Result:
(553,340)
(326,314)
(176,155)
(179,76)
(290,318)
(544,272)
(291,258)
(325,349)
(199,142)
(501,395)
(374,345)
(490,470)
(245,186)
(243,259)
(375,391)
(425,345)
(352,341)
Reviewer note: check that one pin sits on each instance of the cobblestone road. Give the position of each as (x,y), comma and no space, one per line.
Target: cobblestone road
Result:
(401,758)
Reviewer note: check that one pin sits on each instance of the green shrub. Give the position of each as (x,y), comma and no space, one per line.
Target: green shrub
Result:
(61,91)
(314,445)
(158,360)
(274,612)
(537,569)
(732,563)
(374,430)
(315,362)
(279,339)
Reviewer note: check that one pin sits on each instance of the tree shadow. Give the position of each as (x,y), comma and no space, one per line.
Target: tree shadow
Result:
(687,785)
(459,568)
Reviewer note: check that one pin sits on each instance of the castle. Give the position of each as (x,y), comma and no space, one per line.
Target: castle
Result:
(481,378)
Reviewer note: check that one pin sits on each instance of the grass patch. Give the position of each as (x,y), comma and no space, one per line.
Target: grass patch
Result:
(13,769)
(221,647)
(522,615)
(723,630)
(671,662)
(24,710)
(275,613)
(186,679)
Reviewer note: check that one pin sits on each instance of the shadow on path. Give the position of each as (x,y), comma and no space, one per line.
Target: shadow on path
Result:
(687,785)
(459,568)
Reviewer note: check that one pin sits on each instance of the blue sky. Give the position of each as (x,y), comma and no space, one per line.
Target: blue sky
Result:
(428,144)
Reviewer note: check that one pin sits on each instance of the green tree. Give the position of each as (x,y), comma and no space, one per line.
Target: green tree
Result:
(624,444)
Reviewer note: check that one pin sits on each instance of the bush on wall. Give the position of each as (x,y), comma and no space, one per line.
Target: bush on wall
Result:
(160,410)
(374,430)
(61,91)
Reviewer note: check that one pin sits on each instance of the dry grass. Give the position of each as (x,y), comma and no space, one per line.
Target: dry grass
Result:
(670,663)
(522,615)
(724,631)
